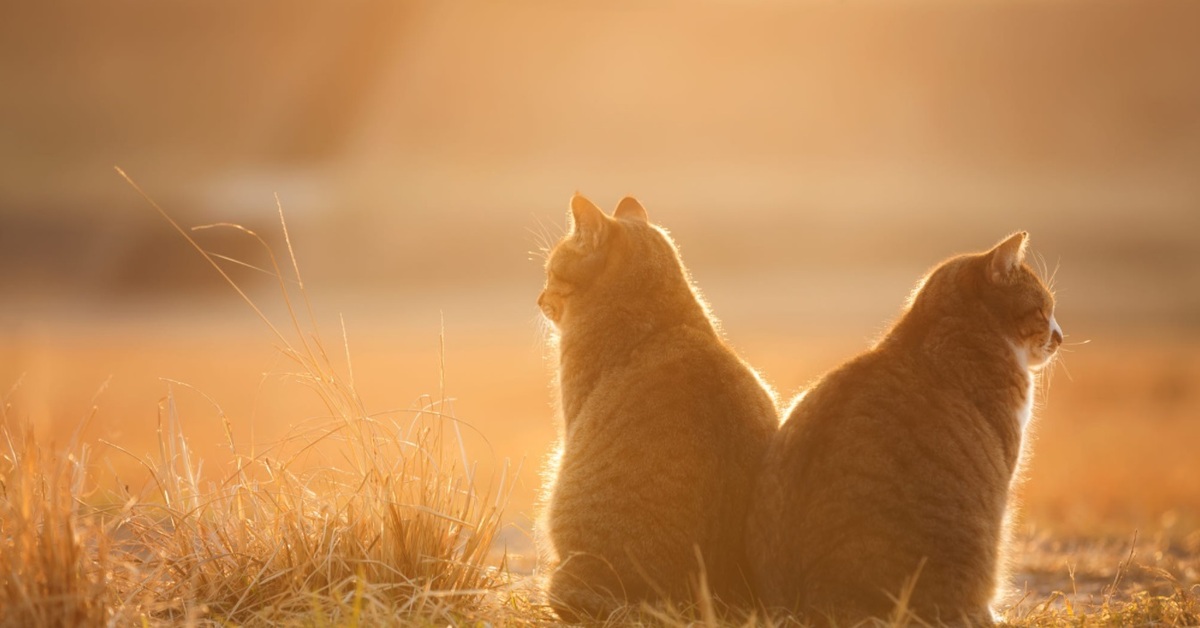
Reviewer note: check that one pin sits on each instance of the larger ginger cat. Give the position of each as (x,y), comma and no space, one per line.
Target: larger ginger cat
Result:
(663,427)
(895,468)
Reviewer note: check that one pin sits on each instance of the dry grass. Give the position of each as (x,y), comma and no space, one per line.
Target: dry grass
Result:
(396,531)
(55,557)
(356,519)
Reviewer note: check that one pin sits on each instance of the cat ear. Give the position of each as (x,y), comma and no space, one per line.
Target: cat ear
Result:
(588,221)
(1007,256)
(630,208)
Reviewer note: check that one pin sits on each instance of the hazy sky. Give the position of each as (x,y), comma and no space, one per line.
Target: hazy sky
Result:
(425,140)
(200,92)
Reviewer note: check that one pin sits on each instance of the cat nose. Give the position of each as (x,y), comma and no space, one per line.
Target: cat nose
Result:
(1056,337)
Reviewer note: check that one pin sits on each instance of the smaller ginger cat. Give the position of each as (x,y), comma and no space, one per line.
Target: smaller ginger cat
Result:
(663,426)
(894,469)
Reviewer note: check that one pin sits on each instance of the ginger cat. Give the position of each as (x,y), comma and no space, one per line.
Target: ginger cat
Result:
(897,464)
(663,426)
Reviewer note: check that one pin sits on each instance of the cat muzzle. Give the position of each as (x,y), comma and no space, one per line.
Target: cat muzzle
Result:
(548,307)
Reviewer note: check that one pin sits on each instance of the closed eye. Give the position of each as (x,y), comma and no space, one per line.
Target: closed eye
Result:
(557,279)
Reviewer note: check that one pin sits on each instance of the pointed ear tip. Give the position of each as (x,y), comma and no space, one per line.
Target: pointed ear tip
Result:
(580,202)
(630,201)
(630,207)
(1022,242)
(1017,237)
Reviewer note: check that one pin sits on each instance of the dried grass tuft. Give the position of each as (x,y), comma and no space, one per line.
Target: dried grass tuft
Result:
(54,553)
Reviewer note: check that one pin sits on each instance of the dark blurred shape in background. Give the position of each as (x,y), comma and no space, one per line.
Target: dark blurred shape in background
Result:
(419,143)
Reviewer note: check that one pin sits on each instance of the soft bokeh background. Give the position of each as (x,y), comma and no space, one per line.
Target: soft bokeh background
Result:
(811,159)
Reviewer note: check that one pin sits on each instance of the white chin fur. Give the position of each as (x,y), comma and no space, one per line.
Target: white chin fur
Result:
(1025,412)
(1022,354)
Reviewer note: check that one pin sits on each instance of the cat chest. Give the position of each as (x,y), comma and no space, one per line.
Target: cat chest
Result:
(1025,409)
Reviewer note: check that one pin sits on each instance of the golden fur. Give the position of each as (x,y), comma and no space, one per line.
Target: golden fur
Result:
(663,427)
(897,464)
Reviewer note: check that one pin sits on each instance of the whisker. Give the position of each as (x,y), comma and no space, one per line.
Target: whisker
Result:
(1040,264)
(1054,274)
(542,237)
(1063,361)
(540,254)
(542,247)
(548,235)
(1044,386)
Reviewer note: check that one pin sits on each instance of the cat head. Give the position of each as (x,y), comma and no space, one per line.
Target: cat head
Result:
(607,263)
(998,289)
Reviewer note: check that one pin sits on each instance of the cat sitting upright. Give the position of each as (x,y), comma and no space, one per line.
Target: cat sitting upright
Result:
(894,470)
(663,426)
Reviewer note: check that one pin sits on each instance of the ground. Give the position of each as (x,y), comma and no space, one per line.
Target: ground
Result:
(1109,504)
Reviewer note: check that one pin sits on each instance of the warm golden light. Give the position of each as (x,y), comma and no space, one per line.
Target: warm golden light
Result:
(811,161)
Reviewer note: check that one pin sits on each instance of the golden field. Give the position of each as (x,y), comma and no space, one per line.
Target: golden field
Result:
(1113,451)
(1110,506)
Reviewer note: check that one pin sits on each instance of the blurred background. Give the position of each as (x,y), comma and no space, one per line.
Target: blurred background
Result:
(811,159)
